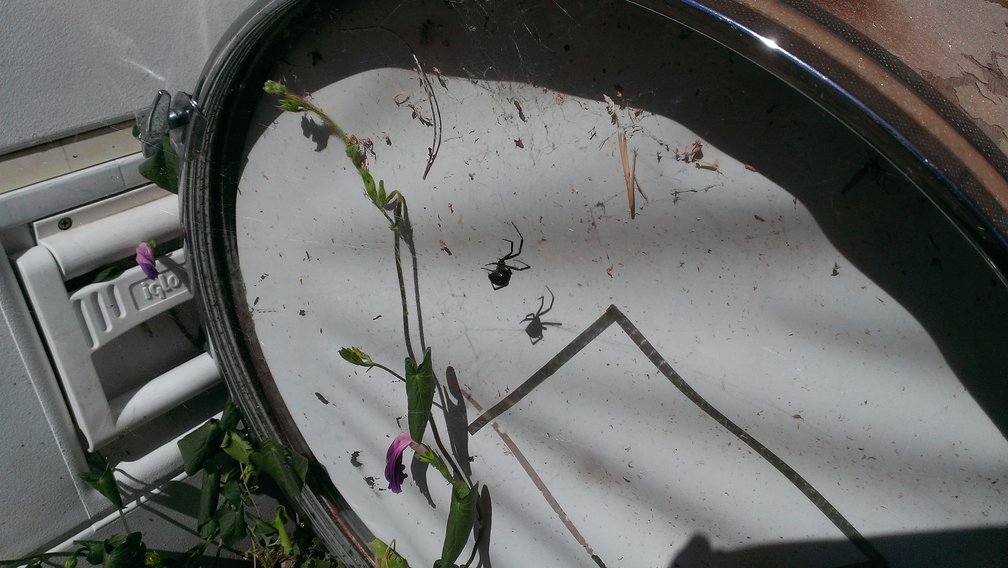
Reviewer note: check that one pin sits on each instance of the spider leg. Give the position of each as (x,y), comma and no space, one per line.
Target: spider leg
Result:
(526,267)
(530,317)
(520,236)
(552,299)
(510,254)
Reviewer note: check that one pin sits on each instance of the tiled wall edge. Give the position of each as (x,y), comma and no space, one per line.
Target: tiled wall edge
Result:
(47,161)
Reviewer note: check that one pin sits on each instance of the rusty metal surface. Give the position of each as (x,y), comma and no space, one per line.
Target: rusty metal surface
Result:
(959,48)
(932,70)
(921,82)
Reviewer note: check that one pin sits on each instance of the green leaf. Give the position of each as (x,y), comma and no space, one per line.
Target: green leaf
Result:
(275,88)
(232,525)
(199,445)
(152,558)
(288,469)
(236,447)
(381,193)
(386,556)
(262,530)
(230,416)
(206,521)
(209,529)
(129,554)
(101,478)
(70,562)
(460,521)
(351,152)
(369,187)
(419,394)
(430,457)
(117,550)
(232,492)
(278,523)
(93,550)
(163,167)
(355,356)
(108,273)
(290,105)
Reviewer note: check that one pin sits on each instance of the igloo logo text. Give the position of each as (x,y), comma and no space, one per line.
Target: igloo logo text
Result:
(163,287)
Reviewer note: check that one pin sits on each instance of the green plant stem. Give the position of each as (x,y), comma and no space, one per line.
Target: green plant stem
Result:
(390,371)
(402,296)
(403,221)
(447,457)
(399,219)
(248,492)
(397,227)
(480,534)
(308,106)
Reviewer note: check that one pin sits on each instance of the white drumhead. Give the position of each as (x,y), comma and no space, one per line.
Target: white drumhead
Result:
(794,281)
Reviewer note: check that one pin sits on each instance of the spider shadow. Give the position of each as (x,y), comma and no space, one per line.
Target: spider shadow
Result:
(536,326)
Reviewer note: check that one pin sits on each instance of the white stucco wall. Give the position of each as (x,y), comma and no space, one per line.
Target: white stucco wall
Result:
(68,66)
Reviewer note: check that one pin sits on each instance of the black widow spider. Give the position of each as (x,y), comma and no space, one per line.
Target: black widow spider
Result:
(500,276)
(536,325)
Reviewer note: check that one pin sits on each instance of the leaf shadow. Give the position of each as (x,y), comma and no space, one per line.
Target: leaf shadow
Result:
(317,132)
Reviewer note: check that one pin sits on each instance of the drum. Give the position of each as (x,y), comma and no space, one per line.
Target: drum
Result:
(676,308)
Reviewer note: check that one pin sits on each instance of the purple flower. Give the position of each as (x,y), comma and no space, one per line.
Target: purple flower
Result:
(395,471)
(145,260)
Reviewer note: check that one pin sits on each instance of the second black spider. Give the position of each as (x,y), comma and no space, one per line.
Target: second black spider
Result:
(500,275)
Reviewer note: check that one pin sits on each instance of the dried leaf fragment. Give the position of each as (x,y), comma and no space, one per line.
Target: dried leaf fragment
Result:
(629,169)
(713,165)
(521,113)
(694,152)
(611,109)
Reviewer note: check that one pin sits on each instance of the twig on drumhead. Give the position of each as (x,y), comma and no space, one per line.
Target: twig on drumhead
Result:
(629,169)
(435,146)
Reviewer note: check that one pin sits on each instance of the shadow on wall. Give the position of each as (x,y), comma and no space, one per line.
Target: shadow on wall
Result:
(983,547)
